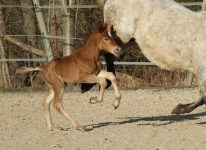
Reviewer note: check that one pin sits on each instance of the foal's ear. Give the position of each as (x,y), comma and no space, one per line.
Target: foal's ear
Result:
(103,27)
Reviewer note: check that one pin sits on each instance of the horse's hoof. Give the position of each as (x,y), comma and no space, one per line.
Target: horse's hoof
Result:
(93,100)
(50,128)
(181,109)
(116,105)
(59,129)
(89,128)
(178,109)
(84,129)
(55,129)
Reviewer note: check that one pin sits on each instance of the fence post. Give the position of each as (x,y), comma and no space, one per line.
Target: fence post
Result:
(190,78)
(203,5)
(43,29)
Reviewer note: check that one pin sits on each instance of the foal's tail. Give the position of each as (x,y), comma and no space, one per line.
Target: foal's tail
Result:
(24,70)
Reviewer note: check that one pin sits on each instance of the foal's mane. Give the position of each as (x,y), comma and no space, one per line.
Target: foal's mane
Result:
(92,39)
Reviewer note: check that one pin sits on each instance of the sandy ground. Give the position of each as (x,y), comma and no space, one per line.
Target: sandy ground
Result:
(142,122)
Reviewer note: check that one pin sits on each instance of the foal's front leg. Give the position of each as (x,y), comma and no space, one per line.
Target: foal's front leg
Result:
(110,76)
(91,78)
(101,79)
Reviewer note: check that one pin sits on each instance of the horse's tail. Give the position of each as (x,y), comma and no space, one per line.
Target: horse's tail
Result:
(24,70)
(101,3)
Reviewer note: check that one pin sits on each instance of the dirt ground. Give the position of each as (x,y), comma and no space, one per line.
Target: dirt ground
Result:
(142,122)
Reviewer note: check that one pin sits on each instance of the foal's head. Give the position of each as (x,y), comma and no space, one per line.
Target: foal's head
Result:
(106,42)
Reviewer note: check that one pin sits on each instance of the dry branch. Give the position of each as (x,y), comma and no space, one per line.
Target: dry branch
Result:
(126,80)
(24,46)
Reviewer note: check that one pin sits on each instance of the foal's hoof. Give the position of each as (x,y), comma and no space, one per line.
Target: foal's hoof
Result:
(115,106)
(56,129)
(84,129)
(93,100)
(59,129)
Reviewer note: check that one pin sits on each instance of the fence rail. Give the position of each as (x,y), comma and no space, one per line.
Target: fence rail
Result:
(189,81)
(84,6)
(56,6)
(103,62)
(191,4)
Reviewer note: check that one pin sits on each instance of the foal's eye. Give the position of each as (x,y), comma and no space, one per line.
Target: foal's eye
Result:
(106,39)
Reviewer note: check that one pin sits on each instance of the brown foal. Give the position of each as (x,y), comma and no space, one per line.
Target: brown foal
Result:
(82,66)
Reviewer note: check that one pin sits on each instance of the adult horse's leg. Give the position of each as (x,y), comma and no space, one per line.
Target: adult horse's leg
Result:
(57,103)
(187,108)
(109,58)
(110,76)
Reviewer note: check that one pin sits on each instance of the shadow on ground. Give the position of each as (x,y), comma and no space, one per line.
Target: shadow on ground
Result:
(154,120)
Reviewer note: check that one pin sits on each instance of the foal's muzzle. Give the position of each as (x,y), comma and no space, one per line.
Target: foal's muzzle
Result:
(117,50)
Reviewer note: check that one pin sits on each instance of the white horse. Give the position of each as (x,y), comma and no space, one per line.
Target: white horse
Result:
(168,34)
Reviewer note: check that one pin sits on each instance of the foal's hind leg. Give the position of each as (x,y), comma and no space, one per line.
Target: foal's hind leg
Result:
(46,102)
(57,103)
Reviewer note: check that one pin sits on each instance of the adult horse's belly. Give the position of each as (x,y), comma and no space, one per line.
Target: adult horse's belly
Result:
(172,43)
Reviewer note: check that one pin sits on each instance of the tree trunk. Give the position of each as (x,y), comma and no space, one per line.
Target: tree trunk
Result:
(68,24)
(29,28)
(5,80)
(29,21)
